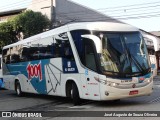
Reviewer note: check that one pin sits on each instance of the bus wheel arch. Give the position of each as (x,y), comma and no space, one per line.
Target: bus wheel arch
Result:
(73,92)
(18,88)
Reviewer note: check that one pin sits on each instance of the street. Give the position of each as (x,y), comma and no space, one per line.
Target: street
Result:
(31,102)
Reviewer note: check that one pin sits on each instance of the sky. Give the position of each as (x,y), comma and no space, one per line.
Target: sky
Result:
(144,14)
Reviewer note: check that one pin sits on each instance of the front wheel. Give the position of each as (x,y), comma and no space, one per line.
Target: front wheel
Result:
(18,89)
(75,94)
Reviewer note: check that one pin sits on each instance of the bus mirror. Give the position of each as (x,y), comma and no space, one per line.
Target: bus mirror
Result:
(96,40)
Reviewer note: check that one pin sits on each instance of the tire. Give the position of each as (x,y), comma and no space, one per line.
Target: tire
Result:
(75,94)
(18,89)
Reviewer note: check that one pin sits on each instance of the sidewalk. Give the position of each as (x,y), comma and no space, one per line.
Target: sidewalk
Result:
(156,81)
(156,78)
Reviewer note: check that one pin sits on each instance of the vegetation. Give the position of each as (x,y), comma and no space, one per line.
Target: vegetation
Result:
(7,34)
(29,23)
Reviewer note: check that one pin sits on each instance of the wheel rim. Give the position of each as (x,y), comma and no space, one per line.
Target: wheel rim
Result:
(72,93)
(18,89)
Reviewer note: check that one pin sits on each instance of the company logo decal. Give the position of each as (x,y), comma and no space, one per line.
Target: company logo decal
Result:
(134,85)
(69,67)
(34,71)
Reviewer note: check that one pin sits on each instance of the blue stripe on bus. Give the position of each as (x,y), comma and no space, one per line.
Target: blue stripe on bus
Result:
(35,72)
(29,69)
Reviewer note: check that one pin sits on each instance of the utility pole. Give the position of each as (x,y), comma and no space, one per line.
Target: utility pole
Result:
(53,13)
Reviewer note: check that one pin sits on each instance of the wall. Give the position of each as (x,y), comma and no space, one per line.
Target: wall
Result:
(67,11)
(43,6)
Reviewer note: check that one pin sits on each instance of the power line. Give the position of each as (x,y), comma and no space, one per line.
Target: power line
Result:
(135,8)
(92,13)
(142,4)
(82,12)
(145,13)
(131,16)
(111,8)
(118,8)
(132,11)
(120,18)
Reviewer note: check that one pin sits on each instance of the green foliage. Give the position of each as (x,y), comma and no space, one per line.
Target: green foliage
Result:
(28,22)
(7,34)
(31,23)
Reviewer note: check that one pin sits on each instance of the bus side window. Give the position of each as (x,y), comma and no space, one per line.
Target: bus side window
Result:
(25,54)
(15,58)
(89,54)
(68,51)
(6,55)
(14,54)
(62,46)
(76,36)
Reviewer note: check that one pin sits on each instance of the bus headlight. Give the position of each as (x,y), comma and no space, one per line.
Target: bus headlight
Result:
(149,80)
(100,80)
(112,84)
(105,82)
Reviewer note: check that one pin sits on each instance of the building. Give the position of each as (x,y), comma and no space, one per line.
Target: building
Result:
(156,33)
(43,6)
(60,12)
(153,46)
(5,15)
(66,11)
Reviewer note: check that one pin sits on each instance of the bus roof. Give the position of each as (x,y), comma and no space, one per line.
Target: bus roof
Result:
(99,26)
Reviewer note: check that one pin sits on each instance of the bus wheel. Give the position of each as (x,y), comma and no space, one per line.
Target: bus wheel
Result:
(75,94)
(18,89)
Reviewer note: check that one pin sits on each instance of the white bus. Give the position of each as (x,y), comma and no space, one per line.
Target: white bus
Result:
(86,60)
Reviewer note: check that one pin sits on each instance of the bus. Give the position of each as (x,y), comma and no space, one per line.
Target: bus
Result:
(153,46)
(86,60)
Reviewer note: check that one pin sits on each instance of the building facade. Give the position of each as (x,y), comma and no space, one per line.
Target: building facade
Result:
(6,15)
(66,11)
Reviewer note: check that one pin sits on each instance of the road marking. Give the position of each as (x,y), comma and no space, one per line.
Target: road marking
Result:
(155,100)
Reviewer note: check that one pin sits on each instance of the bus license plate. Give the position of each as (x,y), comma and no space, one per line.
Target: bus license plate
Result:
(133,92)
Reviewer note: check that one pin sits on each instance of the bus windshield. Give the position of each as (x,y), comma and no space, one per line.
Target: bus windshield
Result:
(124,54)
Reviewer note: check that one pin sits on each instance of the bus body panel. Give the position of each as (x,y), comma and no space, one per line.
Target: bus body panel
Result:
(92,85)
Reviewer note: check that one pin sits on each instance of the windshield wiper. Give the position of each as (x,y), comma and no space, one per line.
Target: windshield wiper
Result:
(132,58)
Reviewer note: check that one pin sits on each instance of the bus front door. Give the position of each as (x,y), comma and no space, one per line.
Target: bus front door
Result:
(91,75)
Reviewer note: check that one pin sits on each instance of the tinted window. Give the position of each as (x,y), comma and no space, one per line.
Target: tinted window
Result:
(89,56)
(49,47)
(15,54)
(76,35)
(6,56)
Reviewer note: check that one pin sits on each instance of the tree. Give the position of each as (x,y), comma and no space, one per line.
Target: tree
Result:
(7,33)
(31,23)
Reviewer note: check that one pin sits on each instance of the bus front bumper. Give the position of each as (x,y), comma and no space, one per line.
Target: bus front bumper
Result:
(112,93)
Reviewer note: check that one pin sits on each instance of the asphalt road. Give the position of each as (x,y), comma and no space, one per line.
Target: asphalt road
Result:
(31,102)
